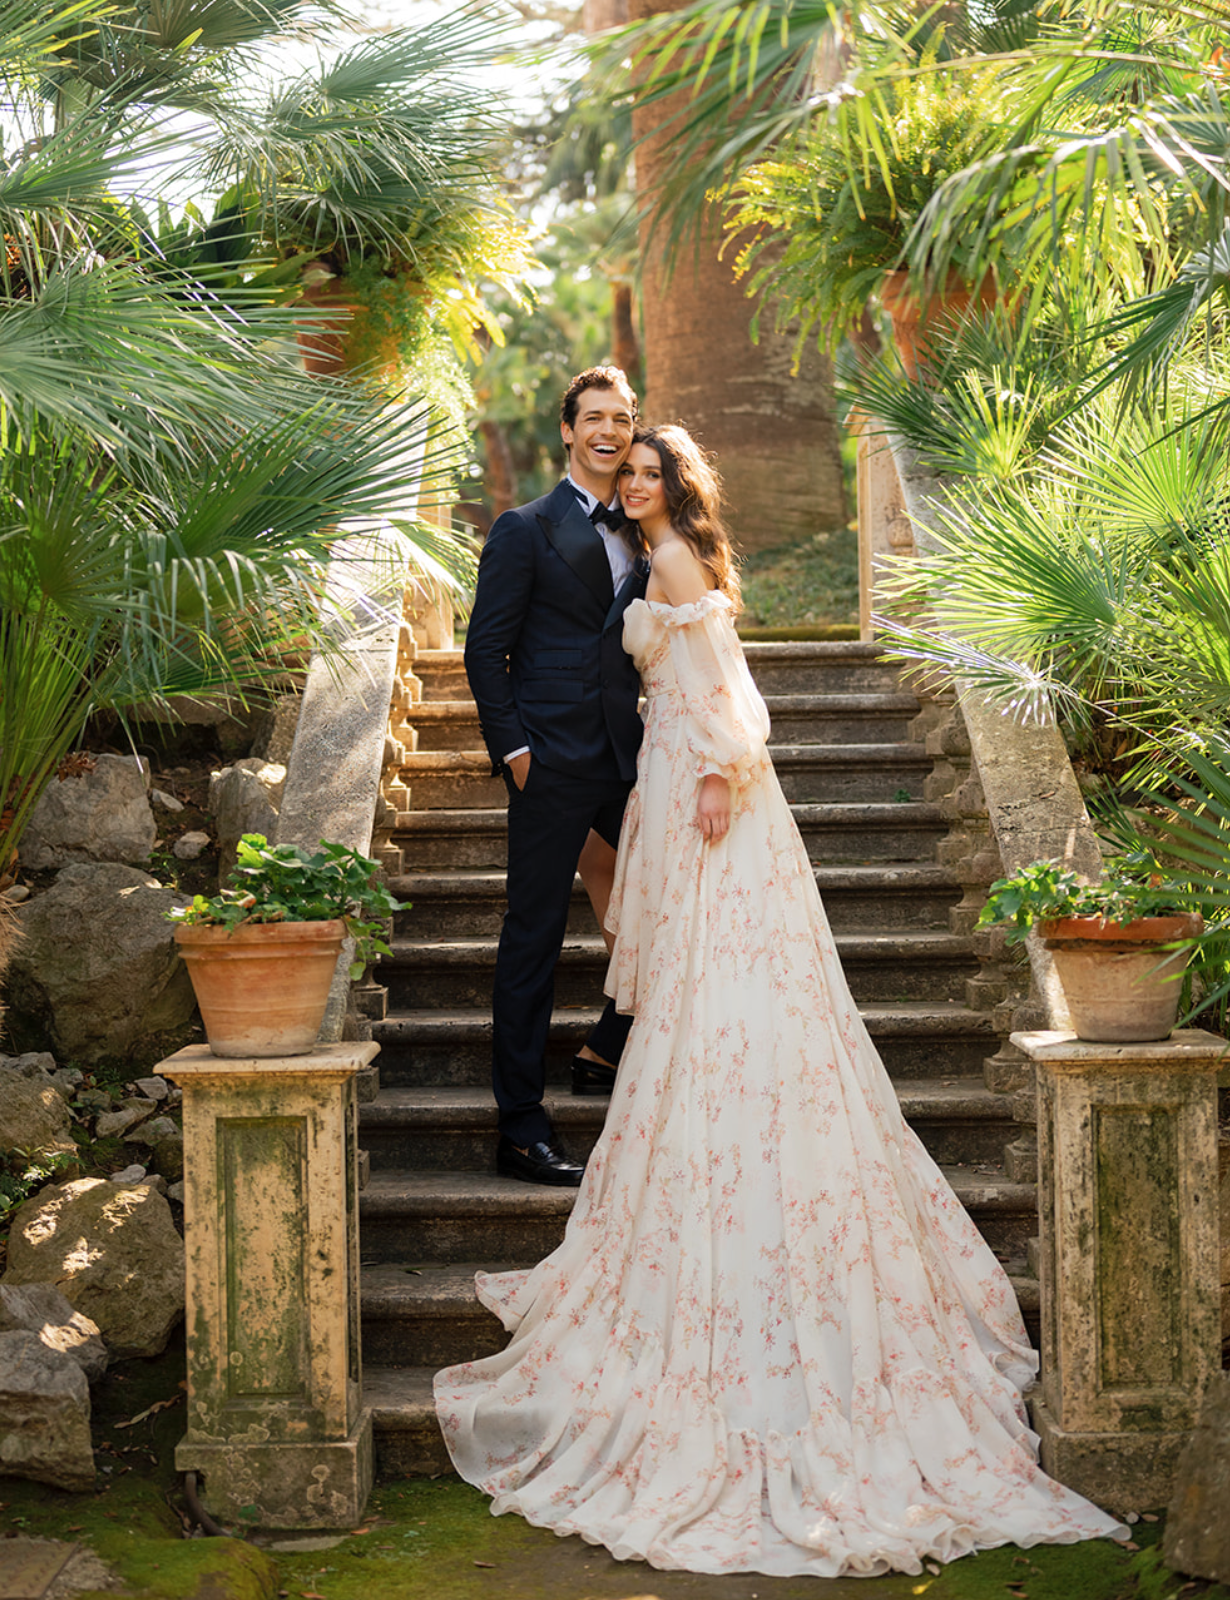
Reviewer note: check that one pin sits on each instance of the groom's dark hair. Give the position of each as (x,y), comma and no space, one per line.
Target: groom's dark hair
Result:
(594,378)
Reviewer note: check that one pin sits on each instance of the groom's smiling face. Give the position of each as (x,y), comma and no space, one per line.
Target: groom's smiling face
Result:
(599,440)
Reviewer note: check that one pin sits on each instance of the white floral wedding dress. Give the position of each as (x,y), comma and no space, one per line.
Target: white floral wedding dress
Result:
(771,1340)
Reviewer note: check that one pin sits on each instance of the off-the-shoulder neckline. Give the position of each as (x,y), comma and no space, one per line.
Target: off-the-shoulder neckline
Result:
(715,600)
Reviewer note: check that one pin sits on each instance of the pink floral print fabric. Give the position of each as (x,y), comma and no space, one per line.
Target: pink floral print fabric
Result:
(771,1340)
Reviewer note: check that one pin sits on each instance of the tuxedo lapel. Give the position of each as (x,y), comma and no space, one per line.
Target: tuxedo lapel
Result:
(576,539)
(632,588)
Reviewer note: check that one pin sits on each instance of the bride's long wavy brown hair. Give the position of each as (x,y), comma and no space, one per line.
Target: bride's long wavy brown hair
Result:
(694,501)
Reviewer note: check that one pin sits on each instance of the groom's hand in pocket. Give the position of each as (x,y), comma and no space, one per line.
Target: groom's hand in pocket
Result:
(519,766)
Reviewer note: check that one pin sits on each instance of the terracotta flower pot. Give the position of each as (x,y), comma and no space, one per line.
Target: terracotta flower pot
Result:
(328,344)
(913,315)
(1122,986)
(262,989)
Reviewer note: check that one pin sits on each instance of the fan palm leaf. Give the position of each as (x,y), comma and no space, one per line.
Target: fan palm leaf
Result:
(1102,587)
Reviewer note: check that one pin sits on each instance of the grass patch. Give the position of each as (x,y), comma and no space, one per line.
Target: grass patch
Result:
(810,583)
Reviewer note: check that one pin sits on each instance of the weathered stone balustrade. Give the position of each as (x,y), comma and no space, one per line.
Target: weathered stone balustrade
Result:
(276,1421)
(1128,1204)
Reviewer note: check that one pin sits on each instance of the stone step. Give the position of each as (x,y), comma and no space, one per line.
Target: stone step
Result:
(407,1436)
(446,725)
(915,1039)
(911,964)
(425,1314)
(822,666)
(796,719)
(442,674)
(475,1216)
(854,718)
(439,1129)
(856,832)
(808,773)
(469,902)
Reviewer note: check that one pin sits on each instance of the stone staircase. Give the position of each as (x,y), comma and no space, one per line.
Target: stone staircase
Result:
(435,1210)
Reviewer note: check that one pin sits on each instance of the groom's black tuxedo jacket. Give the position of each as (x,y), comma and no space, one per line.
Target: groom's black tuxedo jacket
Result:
(544,651)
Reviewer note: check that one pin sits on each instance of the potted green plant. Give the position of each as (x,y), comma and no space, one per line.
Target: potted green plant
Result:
(825,225)
(261,953)
(1120,945)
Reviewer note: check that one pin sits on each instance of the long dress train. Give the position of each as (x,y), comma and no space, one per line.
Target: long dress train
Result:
(771,1340)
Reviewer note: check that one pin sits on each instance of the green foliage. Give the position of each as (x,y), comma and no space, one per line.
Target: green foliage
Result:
(1131,886)
(165,574)
(828,222)
(171,484)
(1098,587)
(24,1171)
(565,328)
(396,326)
(1105,140)
(283,883)
(990,396)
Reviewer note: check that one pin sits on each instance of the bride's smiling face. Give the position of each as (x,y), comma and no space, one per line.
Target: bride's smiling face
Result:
(642,492)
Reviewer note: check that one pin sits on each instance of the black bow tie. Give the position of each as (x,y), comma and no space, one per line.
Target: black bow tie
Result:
(613,517)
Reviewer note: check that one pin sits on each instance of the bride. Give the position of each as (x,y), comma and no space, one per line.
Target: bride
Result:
(772,1340)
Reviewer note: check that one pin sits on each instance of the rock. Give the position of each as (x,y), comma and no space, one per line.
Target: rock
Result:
(127,1116)
(190,845)
(154,1088)
(41,1309)
(165,801)
(133,1174)
(33,1064)
(150,1132)
(244,798)
(112,1252)
(103,815)
(97,967)
(16,893)
(176,1193)
(33,1113)
(167,1156)
(94,1100)
(44,1414)
(275,729)
(1197,1538)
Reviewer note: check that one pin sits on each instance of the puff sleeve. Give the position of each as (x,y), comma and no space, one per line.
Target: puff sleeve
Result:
(728,722)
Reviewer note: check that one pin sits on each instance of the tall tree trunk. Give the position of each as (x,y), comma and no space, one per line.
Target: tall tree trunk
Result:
(625,344)
(501,469)
(773,431)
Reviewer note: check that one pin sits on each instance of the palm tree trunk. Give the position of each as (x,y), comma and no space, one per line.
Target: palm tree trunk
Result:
(501,480)
(773,429)
(624,342)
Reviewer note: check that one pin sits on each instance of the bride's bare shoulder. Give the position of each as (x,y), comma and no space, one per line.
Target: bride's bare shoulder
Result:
(678,572)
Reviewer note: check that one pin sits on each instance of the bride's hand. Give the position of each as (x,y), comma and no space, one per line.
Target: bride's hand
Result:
(713,807)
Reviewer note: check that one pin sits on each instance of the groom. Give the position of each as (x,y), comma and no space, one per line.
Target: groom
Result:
(557,700)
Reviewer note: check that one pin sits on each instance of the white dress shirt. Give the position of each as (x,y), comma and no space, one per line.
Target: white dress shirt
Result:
(617,552)
(618,556)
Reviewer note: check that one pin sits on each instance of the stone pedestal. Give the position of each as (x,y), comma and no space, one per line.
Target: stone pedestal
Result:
(276,1422)
(1127,1141)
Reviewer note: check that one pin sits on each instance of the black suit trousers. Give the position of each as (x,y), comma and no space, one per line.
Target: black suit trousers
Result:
(548,823)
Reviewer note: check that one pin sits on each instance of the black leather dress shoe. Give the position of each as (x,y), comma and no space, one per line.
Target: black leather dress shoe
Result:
(539,1164)
(591,1077)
